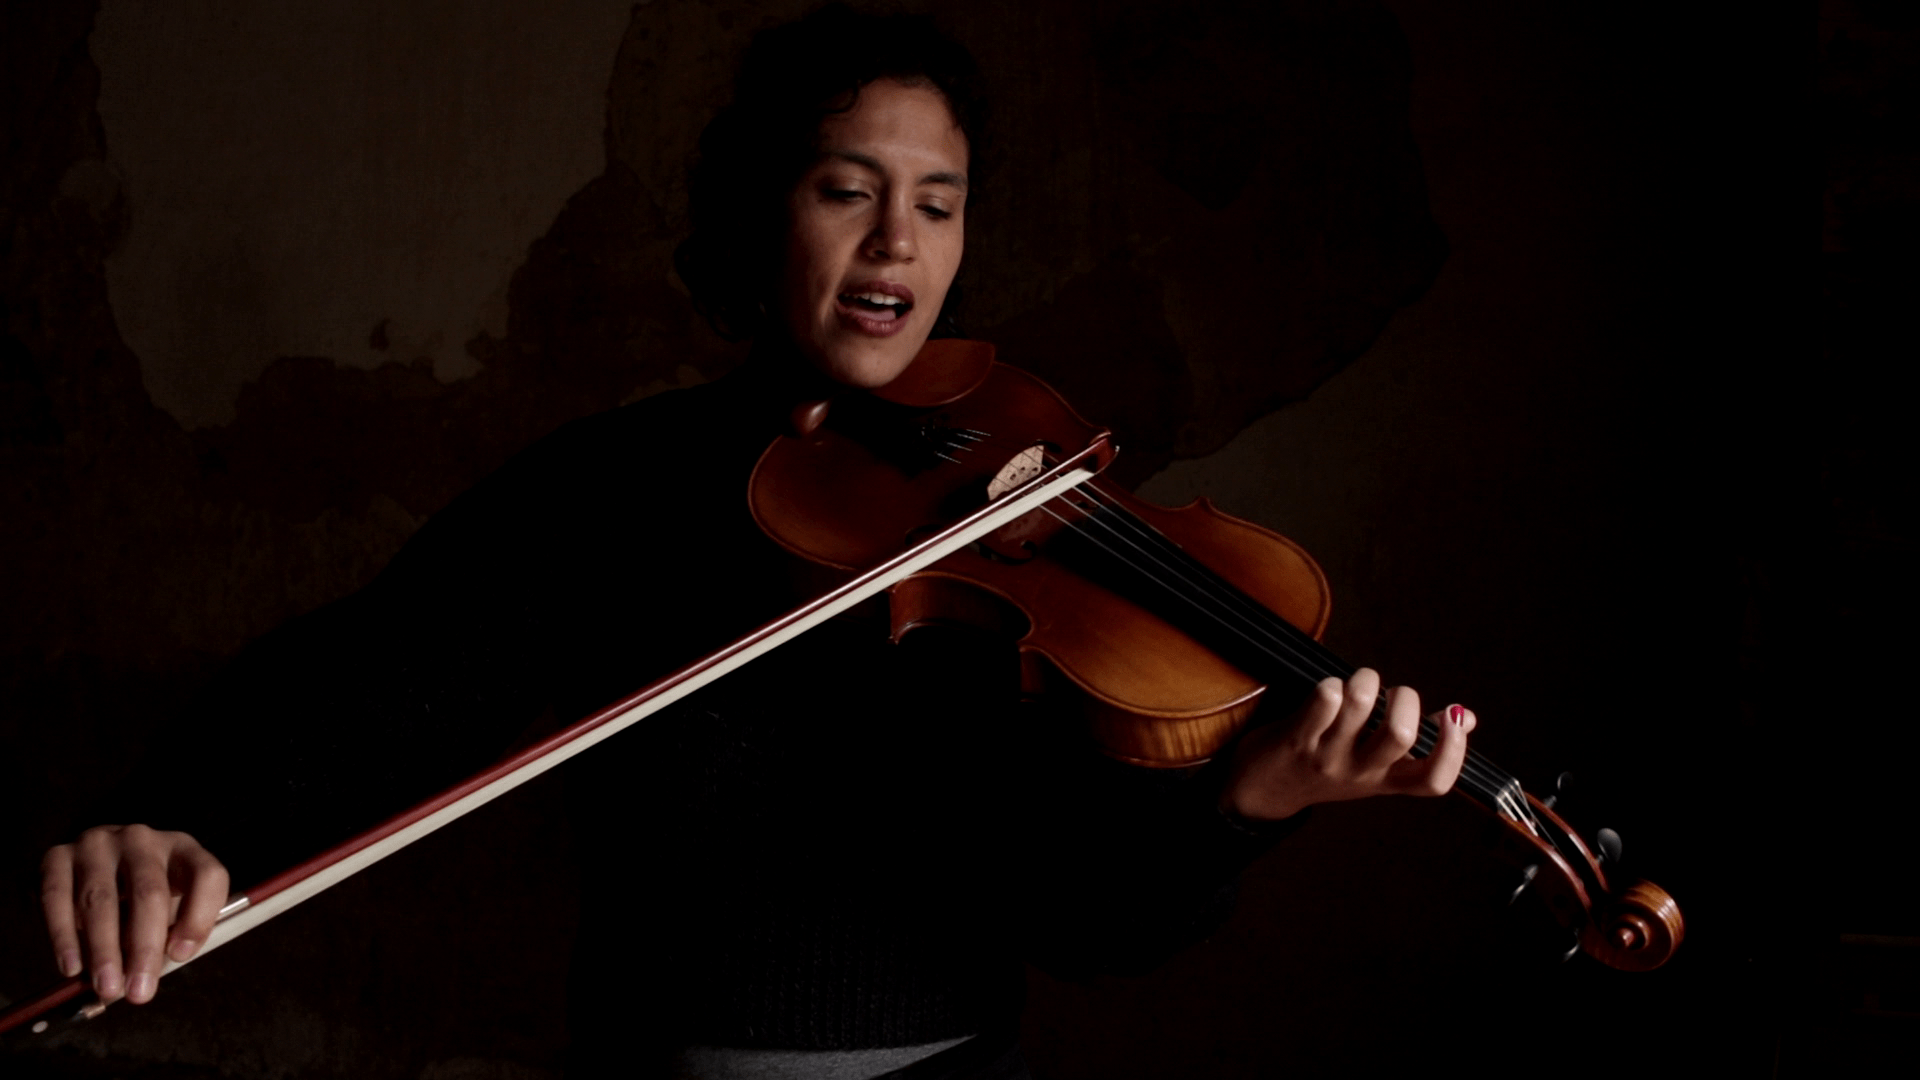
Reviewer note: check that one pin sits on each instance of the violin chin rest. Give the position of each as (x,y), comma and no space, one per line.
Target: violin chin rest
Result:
(807,416)
(943,371)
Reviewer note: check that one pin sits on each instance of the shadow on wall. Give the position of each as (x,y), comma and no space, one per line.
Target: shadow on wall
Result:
(252,342)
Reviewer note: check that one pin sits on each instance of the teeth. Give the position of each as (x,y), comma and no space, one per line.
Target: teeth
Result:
(880,298)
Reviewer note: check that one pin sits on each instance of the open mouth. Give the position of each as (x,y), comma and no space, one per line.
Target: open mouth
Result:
(875,307)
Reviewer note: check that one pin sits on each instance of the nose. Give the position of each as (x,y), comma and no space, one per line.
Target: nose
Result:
(892,238)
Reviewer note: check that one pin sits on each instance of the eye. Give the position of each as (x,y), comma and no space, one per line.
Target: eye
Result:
(834,194)
(936,212)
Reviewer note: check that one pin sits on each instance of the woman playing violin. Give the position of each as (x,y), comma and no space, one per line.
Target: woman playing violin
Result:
(831,864)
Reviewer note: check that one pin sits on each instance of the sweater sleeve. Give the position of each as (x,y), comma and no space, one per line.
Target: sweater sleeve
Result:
(345,716)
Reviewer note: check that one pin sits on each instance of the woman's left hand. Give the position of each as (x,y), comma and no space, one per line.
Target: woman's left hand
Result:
(1326,755)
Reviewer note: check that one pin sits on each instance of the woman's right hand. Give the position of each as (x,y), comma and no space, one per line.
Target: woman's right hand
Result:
(173,892)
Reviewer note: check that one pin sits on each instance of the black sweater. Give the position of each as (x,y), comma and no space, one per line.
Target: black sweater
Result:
(846,844)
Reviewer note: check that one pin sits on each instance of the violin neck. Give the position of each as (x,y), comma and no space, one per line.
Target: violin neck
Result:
(1116,547)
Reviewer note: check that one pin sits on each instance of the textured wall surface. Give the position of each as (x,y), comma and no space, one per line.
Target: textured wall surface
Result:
(1474,303)
(354,181)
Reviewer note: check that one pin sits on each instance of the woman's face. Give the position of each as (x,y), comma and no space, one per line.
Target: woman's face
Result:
(876,230)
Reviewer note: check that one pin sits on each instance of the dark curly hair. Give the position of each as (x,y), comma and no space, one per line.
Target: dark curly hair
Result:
(755,149)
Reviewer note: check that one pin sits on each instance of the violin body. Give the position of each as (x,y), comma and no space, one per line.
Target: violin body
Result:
(1151,694)
(1168,627)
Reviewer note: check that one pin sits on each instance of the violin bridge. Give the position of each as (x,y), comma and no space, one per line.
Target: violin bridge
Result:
(1025,465)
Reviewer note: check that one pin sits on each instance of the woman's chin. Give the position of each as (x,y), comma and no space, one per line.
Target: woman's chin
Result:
(868,365)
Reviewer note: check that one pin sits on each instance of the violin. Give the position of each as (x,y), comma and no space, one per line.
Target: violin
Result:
(967,491)
(1165,626)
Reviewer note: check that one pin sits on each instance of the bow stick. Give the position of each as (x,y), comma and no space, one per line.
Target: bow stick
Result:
(282,892)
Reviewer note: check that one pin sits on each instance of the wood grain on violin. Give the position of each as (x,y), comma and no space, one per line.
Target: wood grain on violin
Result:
(843,497)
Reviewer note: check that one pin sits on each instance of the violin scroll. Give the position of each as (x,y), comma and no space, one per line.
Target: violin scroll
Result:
(1635,928)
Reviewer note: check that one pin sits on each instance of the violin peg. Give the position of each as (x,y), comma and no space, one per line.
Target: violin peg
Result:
(1608,842)
(1526,879)
(1559,788)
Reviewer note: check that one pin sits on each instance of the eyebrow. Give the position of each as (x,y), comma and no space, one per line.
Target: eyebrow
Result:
(951,179)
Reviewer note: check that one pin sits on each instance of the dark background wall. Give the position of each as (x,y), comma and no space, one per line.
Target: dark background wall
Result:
(1511,314)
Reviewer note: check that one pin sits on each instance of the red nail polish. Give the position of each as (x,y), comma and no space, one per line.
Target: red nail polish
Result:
(1456,714)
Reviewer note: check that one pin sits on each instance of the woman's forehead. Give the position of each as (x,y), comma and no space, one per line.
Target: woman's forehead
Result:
(894,125)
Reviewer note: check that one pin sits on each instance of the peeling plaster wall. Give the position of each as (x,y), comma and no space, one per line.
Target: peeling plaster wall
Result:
(356,181)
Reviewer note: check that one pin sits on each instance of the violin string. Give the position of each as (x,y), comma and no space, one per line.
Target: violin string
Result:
(1307,655)
(1172,558)
(1297,652)
(973,439)
(1475,768)
(1474,777)
(1280,633)
(1224,590)
(1291,658)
